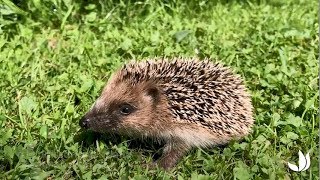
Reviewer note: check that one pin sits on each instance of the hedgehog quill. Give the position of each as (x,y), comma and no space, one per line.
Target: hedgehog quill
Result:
(186,103)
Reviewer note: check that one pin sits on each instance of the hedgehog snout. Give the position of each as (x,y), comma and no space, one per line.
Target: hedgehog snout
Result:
(95,121)
(84,122)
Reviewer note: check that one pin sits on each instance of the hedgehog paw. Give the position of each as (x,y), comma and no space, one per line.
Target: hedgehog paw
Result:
(149,165)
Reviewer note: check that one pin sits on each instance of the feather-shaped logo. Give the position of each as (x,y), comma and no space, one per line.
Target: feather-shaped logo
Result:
(304,163)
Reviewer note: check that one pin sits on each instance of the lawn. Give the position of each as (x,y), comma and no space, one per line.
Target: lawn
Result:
(56,56)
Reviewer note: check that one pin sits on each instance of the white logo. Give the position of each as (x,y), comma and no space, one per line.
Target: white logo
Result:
(304,163)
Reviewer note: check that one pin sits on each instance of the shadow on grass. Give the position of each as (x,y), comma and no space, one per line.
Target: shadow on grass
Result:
(145,146)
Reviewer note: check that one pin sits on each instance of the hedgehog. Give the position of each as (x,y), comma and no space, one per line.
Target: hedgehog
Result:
(185,102)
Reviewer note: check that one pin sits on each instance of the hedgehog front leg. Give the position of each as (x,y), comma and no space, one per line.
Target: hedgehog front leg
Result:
(172,153)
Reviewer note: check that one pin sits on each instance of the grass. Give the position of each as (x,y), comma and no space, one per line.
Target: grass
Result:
(56,56)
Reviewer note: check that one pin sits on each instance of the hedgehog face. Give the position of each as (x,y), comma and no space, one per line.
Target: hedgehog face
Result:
(122,107)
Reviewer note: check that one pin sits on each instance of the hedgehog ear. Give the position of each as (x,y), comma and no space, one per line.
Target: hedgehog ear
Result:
(154,93)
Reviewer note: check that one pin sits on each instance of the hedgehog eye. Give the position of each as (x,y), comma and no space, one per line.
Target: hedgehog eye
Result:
(126,109)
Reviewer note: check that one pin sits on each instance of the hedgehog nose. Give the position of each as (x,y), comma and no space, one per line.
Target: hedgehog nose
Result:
(84,121)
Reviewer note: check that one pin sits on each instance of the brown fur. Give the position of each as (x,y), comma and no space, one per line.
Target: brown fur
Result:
(186,102)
